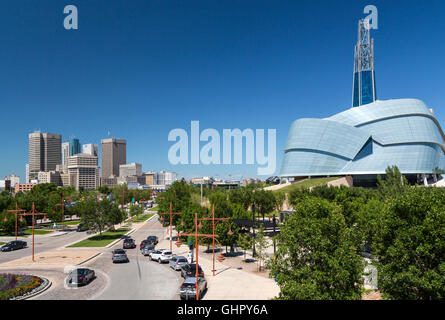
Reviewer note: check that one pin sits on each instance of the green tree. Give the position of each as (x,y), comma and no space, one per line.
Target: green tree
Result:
(99,216)
(280,198)
(261,245)
(226,239)
(245,242)
(316,254)
(393,185)
(411,247)
(264,201)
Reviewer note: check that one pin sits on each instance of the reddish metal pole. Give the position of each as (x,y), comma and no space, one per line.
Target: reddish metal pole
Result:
(196,241)
(33,210)
(213,220)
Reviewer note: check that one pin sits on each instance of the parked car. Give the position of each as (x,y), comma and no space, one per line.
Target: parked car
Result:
(148,249)
(188,288)
(152,240)
(177,262)
(80,276)
(14,245)
(119,255)
(161,255)
(129,244)
(81,227)
(143,244)
(189,270)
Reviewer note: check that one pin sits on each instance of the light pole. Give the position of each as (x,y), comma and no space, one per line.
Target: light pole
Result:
(253,228)
(196,235)
(213,232)
(274,221)
(171,222)
(63,208)
(33,213)
(17,210)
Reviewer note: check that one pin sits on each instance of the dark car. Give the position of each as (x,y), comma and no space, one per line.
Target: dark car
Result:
(188,288)
(143,244)
(80,276)
(152,240)
(14,245)
(81,227)
(129,244)
(119,255)
(148,249)
(189,270)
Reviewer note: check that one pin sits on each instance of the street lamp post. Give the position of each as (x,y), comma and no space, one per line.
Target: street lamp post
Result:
(274,221)
(63,208)
(17,210)
(213,232)
(253,228)
(171,222)
(33,213)
(196,235)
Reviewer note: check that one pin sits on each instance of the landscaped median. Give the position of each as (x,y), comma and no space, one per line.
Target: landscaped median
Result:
(102,240)
(142,217)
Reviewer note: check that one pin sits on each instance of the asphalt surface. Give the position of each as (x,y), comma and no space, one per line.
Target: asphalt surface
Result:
(42,243)
(140,279)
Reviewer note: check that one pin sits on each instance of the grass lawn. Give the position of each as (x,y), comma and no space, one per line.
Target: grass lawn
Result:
(307,184)
(2,243)
(153,209)
(101,240)
(36,231)
(66,223)
(142,217)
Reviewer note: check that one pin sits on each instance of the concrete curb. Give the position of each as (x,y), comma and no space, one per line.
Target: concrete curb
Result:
(48,285)
(90,258)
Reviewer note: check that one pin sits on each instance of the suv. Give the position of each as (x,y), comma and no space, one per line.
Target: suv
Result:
(14,245)
(119,255)
(177,262)
(152,240)
(148,249)
(161,255)
(189,270)
(129,244)
(143,244)
(81,227)
(188,288)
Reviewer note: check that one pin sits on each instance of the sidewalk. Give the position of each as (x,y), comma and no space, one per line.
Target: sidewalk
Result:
(229,283)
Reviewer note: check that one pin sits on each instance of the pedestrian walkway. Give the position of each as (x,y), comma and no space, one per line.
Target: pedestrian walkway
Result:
(229,283)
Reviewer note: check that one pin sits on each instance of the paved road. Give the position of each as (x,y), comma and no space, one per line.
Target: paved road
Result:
(42,244)
(140,278)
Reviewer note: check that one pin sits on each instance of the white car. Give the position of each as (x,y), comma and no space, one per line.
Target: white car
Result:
(161,255)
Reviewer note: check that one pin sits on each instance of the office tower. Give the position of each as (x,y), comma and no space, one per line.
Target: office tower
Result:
(74,146)
(27,173)
(149,178)
(84,170)
(65,153)
(364,90)
(91,149)
(113,154)
(129,170)
(44,152)
(14,180)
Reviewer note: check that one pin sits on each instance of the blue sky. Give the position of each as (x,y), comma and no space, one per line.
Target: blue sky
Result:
(142,68)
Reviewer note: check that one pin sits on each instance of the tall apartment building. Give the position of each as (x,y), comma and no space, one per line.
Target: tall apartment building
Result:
(91,149)
(84,171)
(27,173)
(129,170)
(44,152)
(113,154)
(65,153)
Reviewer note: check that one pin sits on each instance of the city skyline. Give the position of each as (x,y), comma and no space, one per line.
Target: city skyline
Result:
(139,74)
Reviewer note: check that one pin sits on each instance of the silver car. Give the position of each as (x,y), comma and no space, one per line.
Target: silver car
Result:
(176,262)
(188,288)
(147,249)
(119,255)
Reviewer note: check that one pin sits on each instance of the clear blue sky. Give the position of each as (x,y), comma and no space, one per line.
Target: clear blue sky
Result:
(142,68)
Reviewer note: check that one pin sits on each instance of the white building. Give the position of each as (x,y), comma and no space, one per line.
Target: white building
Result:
(91,149)
(27,173)
(129,170)
(65,153)
(165,178)
(84,170)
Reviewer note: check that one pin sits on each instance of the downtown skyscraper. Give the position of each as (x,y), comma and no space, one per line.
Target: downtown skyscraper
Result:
(113,154)
(44,152)
(364,89)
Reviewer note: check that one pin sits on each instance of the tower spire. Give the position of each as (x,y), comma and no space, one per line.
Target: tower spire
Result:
(364,90)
